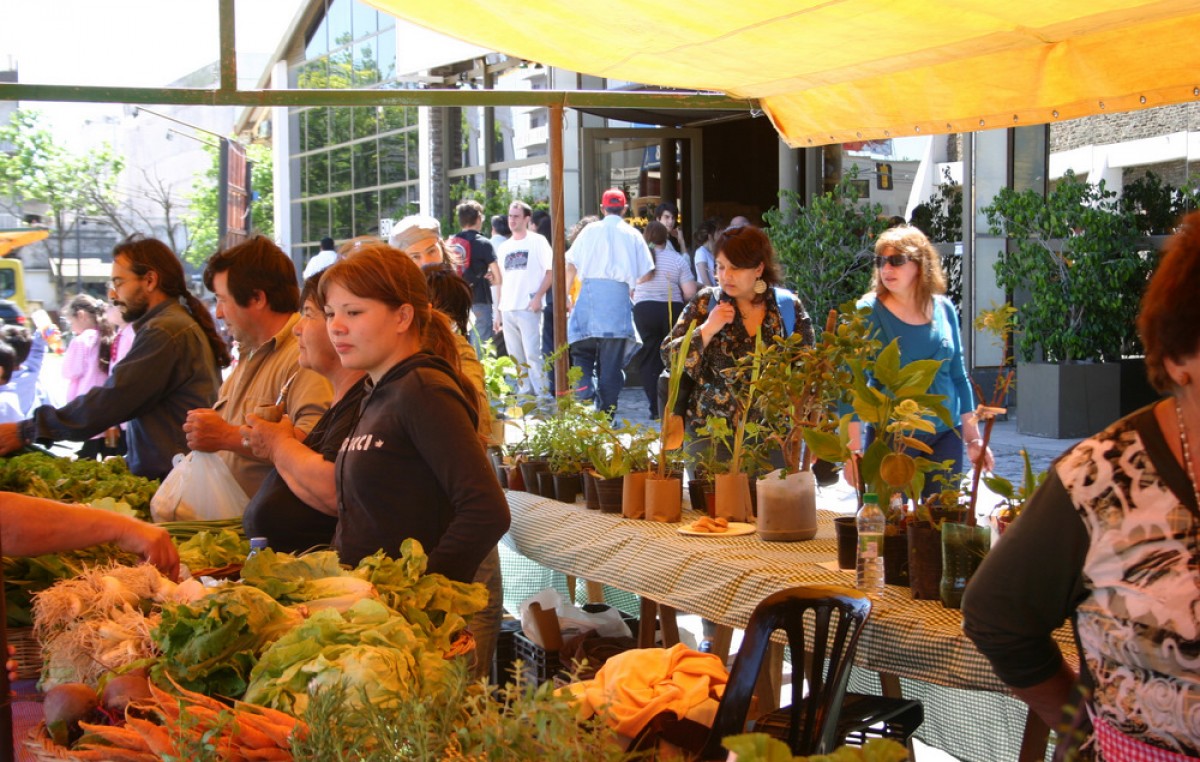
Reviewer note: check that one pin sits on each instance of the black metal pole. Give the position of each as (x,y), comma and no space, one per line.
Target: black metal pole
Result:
(223,194)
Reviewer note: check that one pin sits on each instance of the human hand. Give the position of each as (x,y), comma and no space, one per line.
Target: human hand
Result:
(535,304)
(10,438)
(207,431)
(975,449)
(496,325)
(719,316)
(262,436)
(153,544)
(489,277)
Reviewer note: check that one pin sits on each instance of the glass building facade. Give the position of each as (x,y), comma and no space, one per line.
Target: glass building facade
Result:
(350,166)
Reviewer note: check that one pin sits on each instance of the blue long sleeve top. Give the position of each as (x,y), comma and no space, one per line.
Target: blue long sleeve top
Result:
(938,339)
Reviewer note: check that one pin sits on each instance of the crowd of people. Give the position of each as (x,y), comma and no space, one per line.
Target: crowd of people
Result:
(368,376)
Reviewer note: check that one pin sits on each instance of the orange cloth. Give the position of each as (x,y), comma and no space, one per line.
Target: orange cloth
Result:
(635,686)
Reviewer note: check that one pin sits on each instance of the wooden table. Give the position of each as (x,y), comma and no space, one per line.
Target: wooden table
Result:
(920,644)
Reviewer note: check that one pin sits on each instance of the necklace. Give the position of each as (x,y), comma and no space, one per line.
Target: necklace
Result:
(1187,454)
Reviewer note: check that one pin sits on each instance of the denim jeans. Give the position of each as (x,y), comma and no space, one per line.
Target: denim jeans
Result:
(481,330)
(603,377)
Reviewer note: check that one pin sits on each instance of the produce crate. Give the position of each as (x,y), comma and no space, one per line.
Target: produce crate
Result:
(506,651)
(542,665)
(27,651)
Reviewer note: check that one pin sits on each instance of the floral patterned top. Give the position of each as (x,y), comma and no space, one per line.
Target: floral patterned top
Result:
(708,366)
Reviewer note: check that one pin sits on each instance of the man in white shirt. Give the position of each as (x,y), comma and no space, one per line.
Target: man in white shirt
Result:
(322,259)
(526,260)
(609,257)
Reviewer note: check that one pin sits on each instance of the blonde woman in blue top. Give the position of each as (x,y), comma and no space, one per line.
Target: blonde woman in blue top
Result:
(908,303)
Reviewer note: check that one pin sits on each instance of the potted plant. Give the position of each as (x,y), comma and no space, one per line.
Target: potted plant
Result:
(924,531)
(662,491)
(613,455)
(743,442)
(708,461)
(800,387)
(1013,498)
(1078,254)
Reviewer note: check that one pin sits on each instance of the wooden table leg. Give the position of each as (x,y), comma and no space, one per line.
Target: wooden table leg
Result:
(647,623)
(722,641)
(1035,738)
(770,680)
(571,585)
(670,627)
(890,685)
(595,592)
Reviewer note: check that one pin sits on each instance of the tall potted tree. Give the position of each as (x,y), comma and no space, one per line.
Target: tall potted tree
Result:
(1078,256)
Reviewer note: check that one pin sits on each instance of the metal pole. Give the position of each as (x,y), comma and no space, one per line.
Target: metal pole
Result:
(222,193)
(968,252)
(562,365)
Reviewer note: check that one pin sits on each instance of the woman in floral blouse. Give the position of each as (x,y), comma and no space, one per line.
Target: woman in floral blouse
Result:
(745,301)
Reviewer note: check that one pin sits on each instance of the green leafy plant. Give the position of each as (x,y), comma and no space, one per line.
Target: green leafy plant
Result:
(800,386)
(747,446)
(671,431)
(1013,498)
(898,406)
(616,451)
(760,747)
(1079,256)
(824,244)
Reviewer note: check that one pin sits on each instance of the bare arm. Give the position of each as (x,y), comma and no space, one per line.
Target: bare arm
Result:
(1048,698)
(305,471)
(535,304)
(32,526)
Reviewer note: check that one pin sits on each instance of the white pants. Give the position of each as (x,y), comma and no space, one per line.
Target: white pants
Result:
(523,340)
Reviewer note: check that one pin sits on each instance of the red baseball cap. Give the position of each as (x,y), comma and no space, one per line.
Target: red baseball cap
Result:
(613,197)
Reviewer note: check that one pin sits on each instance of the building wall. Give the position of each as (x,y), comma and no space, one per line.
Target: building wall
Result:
(1104,129)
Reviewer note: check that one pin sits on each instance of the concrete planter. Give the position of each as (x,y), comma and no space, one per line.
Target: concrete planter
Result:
(1067,401)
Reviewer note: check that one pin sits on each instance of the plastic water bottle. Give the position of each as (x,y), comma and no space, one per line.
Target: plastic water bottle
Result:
(871,524)
(256,544)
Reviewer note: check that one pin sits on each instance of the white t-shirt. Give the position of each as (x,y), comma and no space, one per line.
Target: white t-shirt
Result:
(524,264)
(611,249)
(323,259)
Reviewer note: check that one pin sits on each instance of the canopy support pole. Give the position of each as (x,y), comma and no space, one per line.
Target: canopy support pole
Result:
(562,363)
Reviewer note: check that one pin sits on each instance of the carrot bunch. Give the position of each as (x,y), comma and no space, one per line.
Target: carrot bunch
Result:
(173,726)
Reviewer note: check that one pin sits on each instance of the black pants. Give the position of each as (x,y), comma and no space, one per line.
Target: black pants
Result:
(653,323)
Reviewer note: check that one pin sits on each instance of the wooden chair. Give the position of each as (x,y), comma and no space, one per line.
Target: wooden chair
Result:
(823,647)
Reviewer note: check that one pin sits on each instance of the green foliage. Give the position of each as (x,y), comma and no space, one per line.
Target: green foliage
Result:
(800,386)
(1013,498)
(38,169)
(760,747)
(940,218)
(825,247)
(203,199)
(495,198)
(1156,206)
(1078,255)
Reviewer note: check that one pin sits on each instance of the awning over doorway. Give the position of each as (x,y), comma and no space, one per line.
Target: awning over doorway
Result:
(837,71)
(16,238)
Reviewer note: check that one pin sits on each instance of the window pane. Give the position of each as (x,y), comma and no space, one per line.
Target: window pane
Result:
(318,219)
(318,44)
(340,125)
(366,64)
(385,49)
(366,20)
(339,170)
(314,75)
(317,128)
(365,121)
(366,170)
(393,164)
(342,223)
(304,221)
(412,155)
(394,118)
(318,174)
(298,119)
(338,18)
(366,213)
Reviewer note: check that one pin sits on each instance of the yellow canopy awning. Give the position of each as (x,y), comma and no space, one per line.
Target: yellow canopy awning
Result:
(12,239)
(845,70)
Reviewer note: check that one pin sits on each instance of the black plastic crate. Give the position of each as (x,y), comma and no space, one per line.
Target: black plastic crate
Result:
(542,665)
(506,651)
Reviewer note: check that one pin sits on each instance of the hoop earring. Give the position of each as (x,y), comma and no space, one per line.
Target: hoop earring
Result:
(760,287)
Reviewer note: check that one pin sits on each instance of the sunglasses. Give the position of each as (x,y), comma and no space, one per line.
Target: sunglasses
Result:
(895,260)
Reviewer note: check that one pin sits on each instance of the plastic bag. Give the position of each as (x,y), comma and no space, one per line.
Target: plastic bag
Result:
(571,619)
(200,487)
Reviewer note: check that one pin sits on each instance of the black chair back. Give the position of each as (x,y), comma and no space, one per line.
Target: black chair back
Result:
(822,647)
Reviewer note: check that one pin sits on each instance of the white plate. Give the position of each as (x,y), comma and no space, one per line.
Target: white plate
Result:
(736,529)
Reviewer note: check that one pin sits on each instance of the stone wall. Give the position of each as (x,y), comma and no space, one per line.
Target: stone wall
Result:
(1105,129)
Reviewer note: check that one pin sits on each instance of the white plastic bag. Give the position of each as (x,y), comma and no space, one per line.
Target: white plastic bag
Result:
(571,619)
(200,487)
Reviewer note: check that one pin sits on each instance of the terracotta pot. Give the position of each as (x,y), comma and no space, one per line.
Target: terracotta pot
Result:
(733,496)
(633,498)
(663,499)
(512,477)
(924,560)
(787,507)
(567,487)
(609,492)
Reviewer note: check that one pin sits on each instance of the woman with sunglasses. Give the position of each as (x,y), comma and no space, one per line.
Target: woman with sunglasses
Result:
(412,464)
(909,303)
